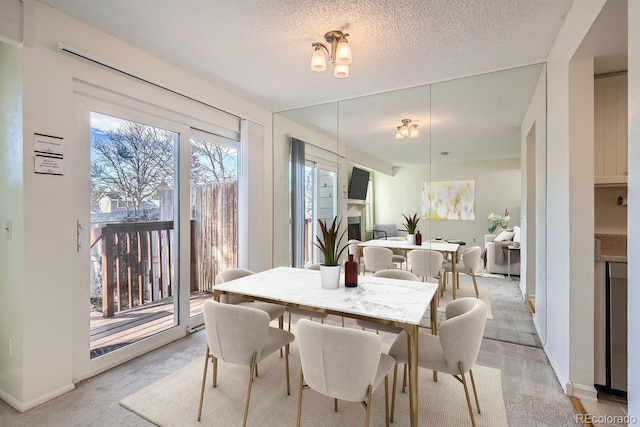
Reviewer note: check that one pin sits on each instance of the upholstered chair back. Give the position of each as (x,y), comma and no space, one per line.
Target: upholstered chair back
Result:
(338,362)
(425,263)
(235,332)
(229,275)
(353,247)
(397,274)
(471,258)
(461,334)
(377,258)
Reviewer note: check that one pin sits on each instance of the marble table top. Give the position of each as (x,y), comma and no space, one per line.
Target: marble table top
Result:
(394,300)
(439,246)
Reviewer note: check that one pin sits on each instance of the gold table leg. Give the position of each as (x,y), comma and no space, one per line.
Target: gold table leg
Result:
(412,343)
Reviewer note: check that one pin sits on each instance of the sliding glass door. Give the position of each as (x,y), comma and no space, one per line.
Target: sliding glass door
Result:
(320,203)
(132,266)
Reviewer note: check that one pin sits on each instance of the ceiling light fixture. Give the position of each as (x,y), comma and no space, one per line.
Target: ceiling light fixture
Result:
(407,129)
(339,56)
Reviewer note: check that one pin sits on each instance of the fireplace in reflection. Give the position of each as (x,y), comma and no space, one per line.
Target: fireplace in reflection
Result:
(354,227)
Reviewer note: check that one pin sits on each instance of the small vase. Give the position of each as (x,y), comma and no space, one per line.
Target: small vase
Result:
(330,276)
(350,273)
(411,239)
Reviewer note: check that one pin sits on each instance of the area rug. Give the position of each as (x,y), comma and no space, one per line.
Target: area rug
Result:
(466,290)
(173,400)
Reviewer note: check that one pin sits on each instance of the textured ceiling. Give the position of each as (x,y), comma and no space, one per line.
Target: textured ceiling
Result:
(261,50)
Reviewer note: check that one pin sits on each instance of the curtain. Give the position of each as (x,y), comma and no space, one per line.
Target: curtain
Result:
(297,202)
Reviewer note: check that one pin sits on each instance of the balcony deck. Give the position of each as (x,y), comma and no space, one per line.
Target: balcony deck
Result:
(126,327)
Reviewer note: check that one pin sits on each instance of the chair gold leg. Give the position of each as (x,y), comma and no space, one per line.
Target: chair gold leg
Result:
(204,380)
(281,326)
(257,368)
(215,371)
(475,285)
(404,377)
(435,376)
(475,392)
(466,393)
(246,406)
(369,393)
(286,359)
(393,391)
(386,399)
(300,398)
(335,405)
(289,325)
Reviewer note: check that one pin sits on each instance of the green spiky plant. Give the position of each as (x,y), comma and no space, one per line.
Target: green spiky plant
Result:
(330,243)
(411,223)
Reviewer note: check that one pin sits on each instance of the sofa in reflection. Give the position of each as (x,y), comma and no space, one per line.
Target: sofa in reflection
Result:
(497,252)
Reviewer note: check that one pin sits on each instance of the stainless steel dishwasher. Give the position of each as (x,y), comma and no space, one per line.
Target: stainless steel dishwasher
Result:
(617,327)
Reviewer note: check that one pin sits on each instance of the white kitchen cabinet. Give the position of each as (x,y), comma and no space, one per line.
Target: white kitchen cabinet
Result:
(610,137)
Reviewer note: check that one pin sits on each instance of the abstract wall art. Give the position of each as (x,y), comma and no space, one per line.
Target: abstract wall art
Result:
(449,200)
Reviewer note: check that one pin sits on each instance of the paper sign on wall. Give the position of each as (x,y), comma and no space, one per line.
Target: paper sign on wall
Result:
(48,144)
(49,165)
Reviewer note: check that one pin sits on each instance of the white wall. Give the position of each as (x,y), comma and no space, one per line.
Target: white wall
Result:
(633,243)
(581,178)
(49,233)
(564,198)
(11,209)
(534,184)
(497,186)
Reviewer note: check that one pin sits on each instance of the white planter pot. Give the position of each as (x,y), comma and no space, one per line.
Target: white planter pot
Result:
(411,239)
(330,276)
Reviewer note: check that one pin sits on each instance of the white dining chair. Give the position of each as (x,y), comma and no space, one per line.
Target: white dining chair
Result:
(275,311)
(342,363)
(428,265)
(240,335)
(453,351)
(469,265)
(376,259)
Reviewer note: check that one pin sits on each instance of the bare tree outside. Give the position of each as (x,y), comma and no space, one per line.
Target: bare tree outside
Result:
(212,163)
(134,161)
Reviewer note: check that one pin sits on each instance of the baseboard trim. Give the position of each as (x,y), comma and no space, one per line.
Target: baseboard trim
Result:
(532,308)
(25,406)
(583,392)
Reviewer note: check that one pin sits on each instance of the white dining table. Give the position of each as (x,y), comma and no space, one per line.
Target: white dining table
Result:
(441,246)
(395,302)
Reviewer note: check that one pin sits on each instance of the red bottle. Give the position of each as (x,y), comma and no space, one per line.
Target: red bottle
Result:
(350,273)
(418,238)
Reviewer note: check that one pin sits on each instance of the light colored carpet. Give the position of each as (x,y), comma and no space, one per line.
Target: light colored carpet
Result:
(173,400)
(466,290)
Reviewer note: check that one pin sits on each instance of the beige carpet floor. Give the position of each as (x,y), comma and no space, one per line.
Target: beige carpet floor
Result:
(466,290)
(173,400)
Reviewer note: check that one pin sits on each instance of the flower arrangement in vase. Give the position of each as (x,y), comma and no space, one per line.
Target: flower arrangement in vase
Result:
(329,242)
(495,221)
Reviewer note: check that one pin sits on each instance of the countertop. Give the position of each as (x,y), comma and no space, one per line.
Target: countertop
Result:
(611,247)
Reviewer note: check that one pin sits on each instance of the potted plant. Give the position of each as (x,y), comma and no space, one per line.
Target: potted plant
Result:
(495,221)
(411,225)
(329,241)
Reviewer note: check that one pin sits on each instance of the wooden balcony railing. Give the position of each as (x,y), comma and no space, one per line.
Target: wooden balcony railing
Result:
(136,263)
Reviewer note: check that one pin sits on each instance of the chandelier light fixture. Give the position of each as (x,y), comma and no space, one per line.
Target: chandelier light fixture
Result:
(407,130)
(339,55)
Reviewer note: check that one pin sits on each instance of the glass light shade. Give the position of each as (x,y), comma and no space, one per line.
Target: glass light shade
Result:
(341,71)
(398,134)
(343,52)
(318,61)
(413,131)
(404,130)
